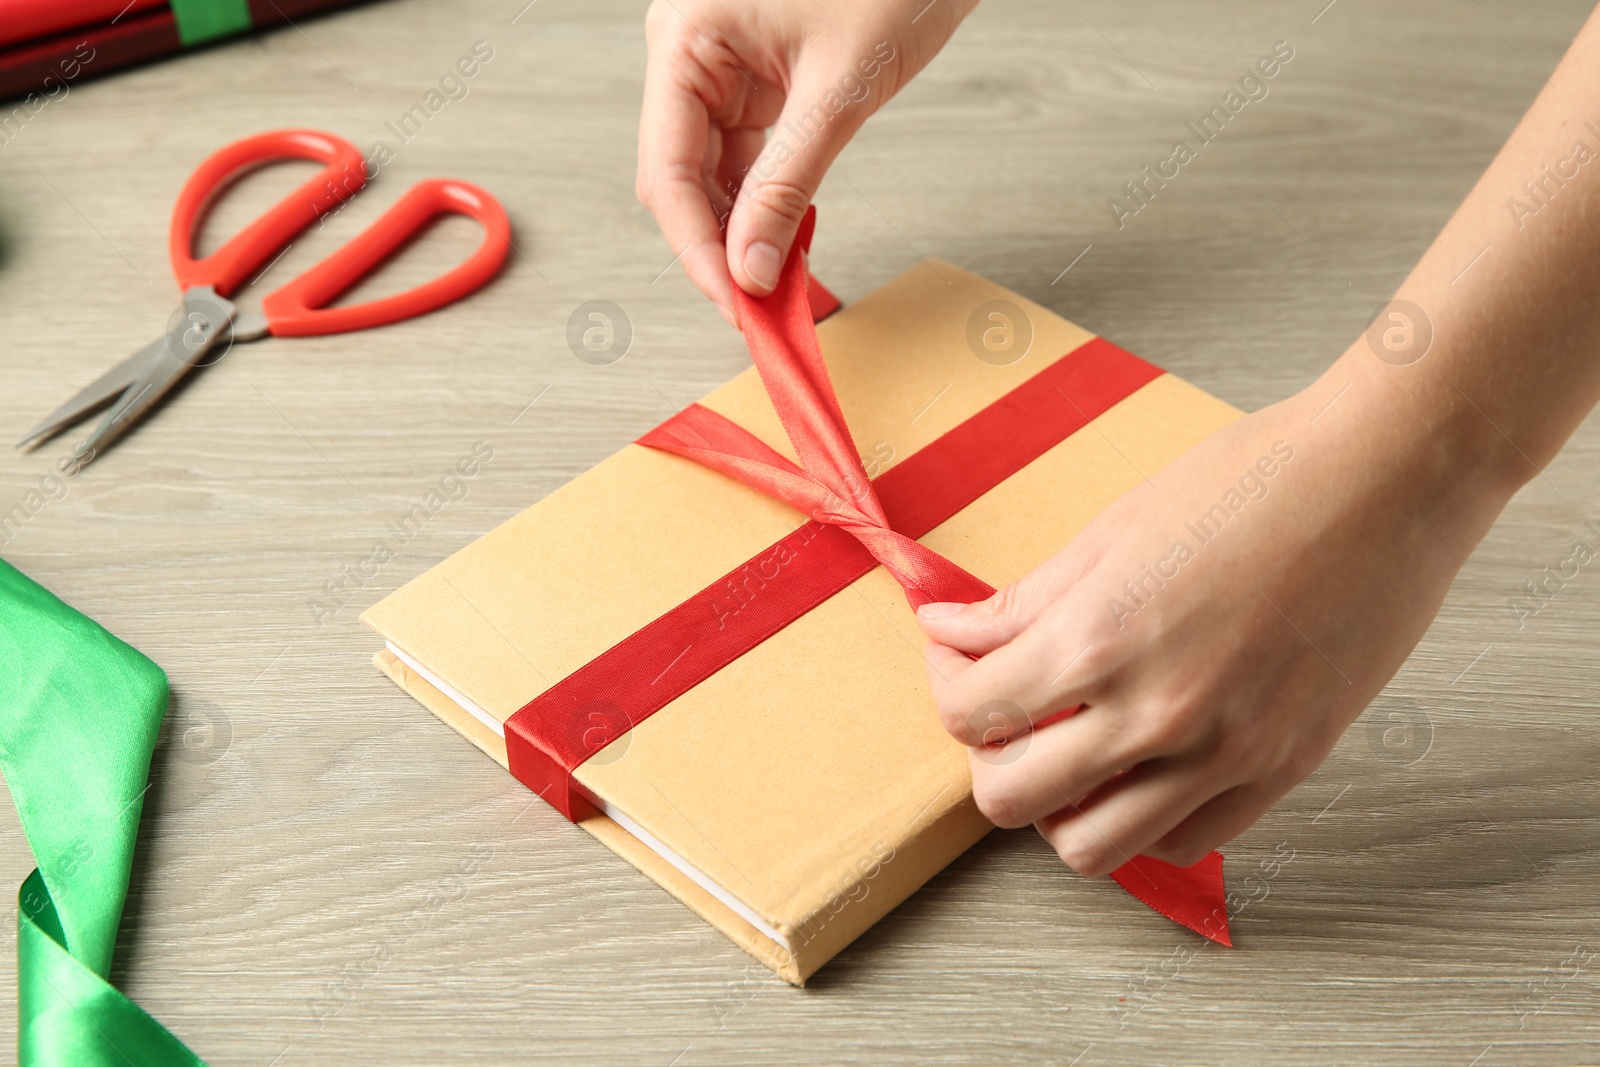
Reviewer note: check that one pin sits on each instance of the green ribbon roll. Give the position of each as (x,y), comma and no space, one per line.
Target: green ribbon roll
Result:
(205,20)
(79,715)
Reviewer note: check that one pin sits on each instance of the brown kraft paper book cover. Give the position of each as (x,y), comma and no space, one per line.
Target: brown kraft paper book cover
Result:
(801,792)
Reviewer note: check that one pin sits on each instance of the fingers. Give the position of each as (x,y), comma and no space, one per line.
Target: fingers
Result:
(1215,823)
(980,627)
(1129,815)
(1007,692)
(984,626)
(1033,775)
(1044,671)
(806,139)
(741,147)
(1039,645)
(674,143)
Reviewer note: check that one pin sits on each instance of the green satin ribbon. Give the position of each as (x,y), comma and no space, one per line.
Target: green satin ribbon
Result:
(79,715)
(205,20)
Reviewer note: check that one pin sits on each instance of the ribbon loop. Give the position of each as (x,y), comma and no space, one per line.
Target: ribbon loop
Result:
(830,485)
(702,435)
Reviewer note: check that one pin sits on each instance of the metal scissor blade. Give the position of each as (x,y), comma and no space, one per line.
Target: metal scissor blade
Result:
(95,395)
(160,374)
(146,376)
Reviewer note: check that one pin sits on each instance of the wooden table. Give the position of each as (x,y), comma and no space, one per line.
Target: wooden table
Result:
(298,896)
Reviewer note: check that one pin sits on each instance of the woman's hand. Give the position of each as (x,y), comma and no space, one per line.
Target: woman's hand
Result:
(1217,660)
(720,73)
(1221,625)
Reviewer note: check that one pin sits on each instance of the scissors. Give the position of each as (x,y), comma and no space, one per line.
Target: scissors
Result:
(208,321)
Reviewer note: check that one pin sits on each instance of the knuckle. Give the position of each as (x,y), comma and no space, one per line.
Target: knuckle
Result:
(958,712)
(782,198)
(1005,606)
(1297,763)
(1098,663)
(1153,732)
(1084,856)
(660,24)
(1169,725)
(1182,852)
(956,722)
(1090,669)
(1242,756)
(997,801)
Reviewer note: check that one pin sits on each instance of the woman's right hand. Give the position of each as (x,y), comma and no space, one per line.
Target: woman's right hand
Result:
(720,74)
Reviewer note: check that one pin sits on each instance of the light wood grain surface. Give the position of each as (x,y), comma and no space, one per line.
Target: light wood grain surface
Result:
(298,896)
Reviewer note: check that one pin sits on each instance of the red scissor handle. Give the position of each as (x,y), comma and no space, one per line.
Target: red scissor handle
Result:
(300,309)
(255,245)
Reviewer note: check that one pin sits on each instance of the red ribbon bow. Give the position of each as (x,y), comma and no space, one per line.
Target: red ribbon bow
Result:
(857,524)
(831,486)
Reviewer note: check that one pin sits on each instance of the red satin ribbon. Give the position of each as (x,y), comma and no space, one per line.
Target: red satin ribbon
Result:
(857,524)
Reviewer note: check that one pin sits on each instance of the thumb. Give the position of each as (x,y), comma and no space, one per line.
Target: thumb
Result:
(981,627)
(818,120)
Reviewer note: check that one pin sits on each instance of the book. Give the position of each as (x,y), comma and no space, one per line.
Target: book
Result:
(800,792)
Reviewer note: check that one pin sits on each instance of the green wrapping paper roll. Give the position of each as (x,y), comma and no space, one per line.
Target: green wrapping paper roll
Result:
(79,714)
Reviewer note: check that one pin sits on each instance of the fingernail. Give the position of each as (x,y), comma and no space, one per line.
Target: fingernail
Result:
(727,315)
(762,262)
(941,610)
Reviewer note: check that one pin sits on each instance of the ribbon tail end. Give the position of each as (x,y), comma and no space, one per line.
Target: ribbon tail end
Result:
(823,302)
(1194,897)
